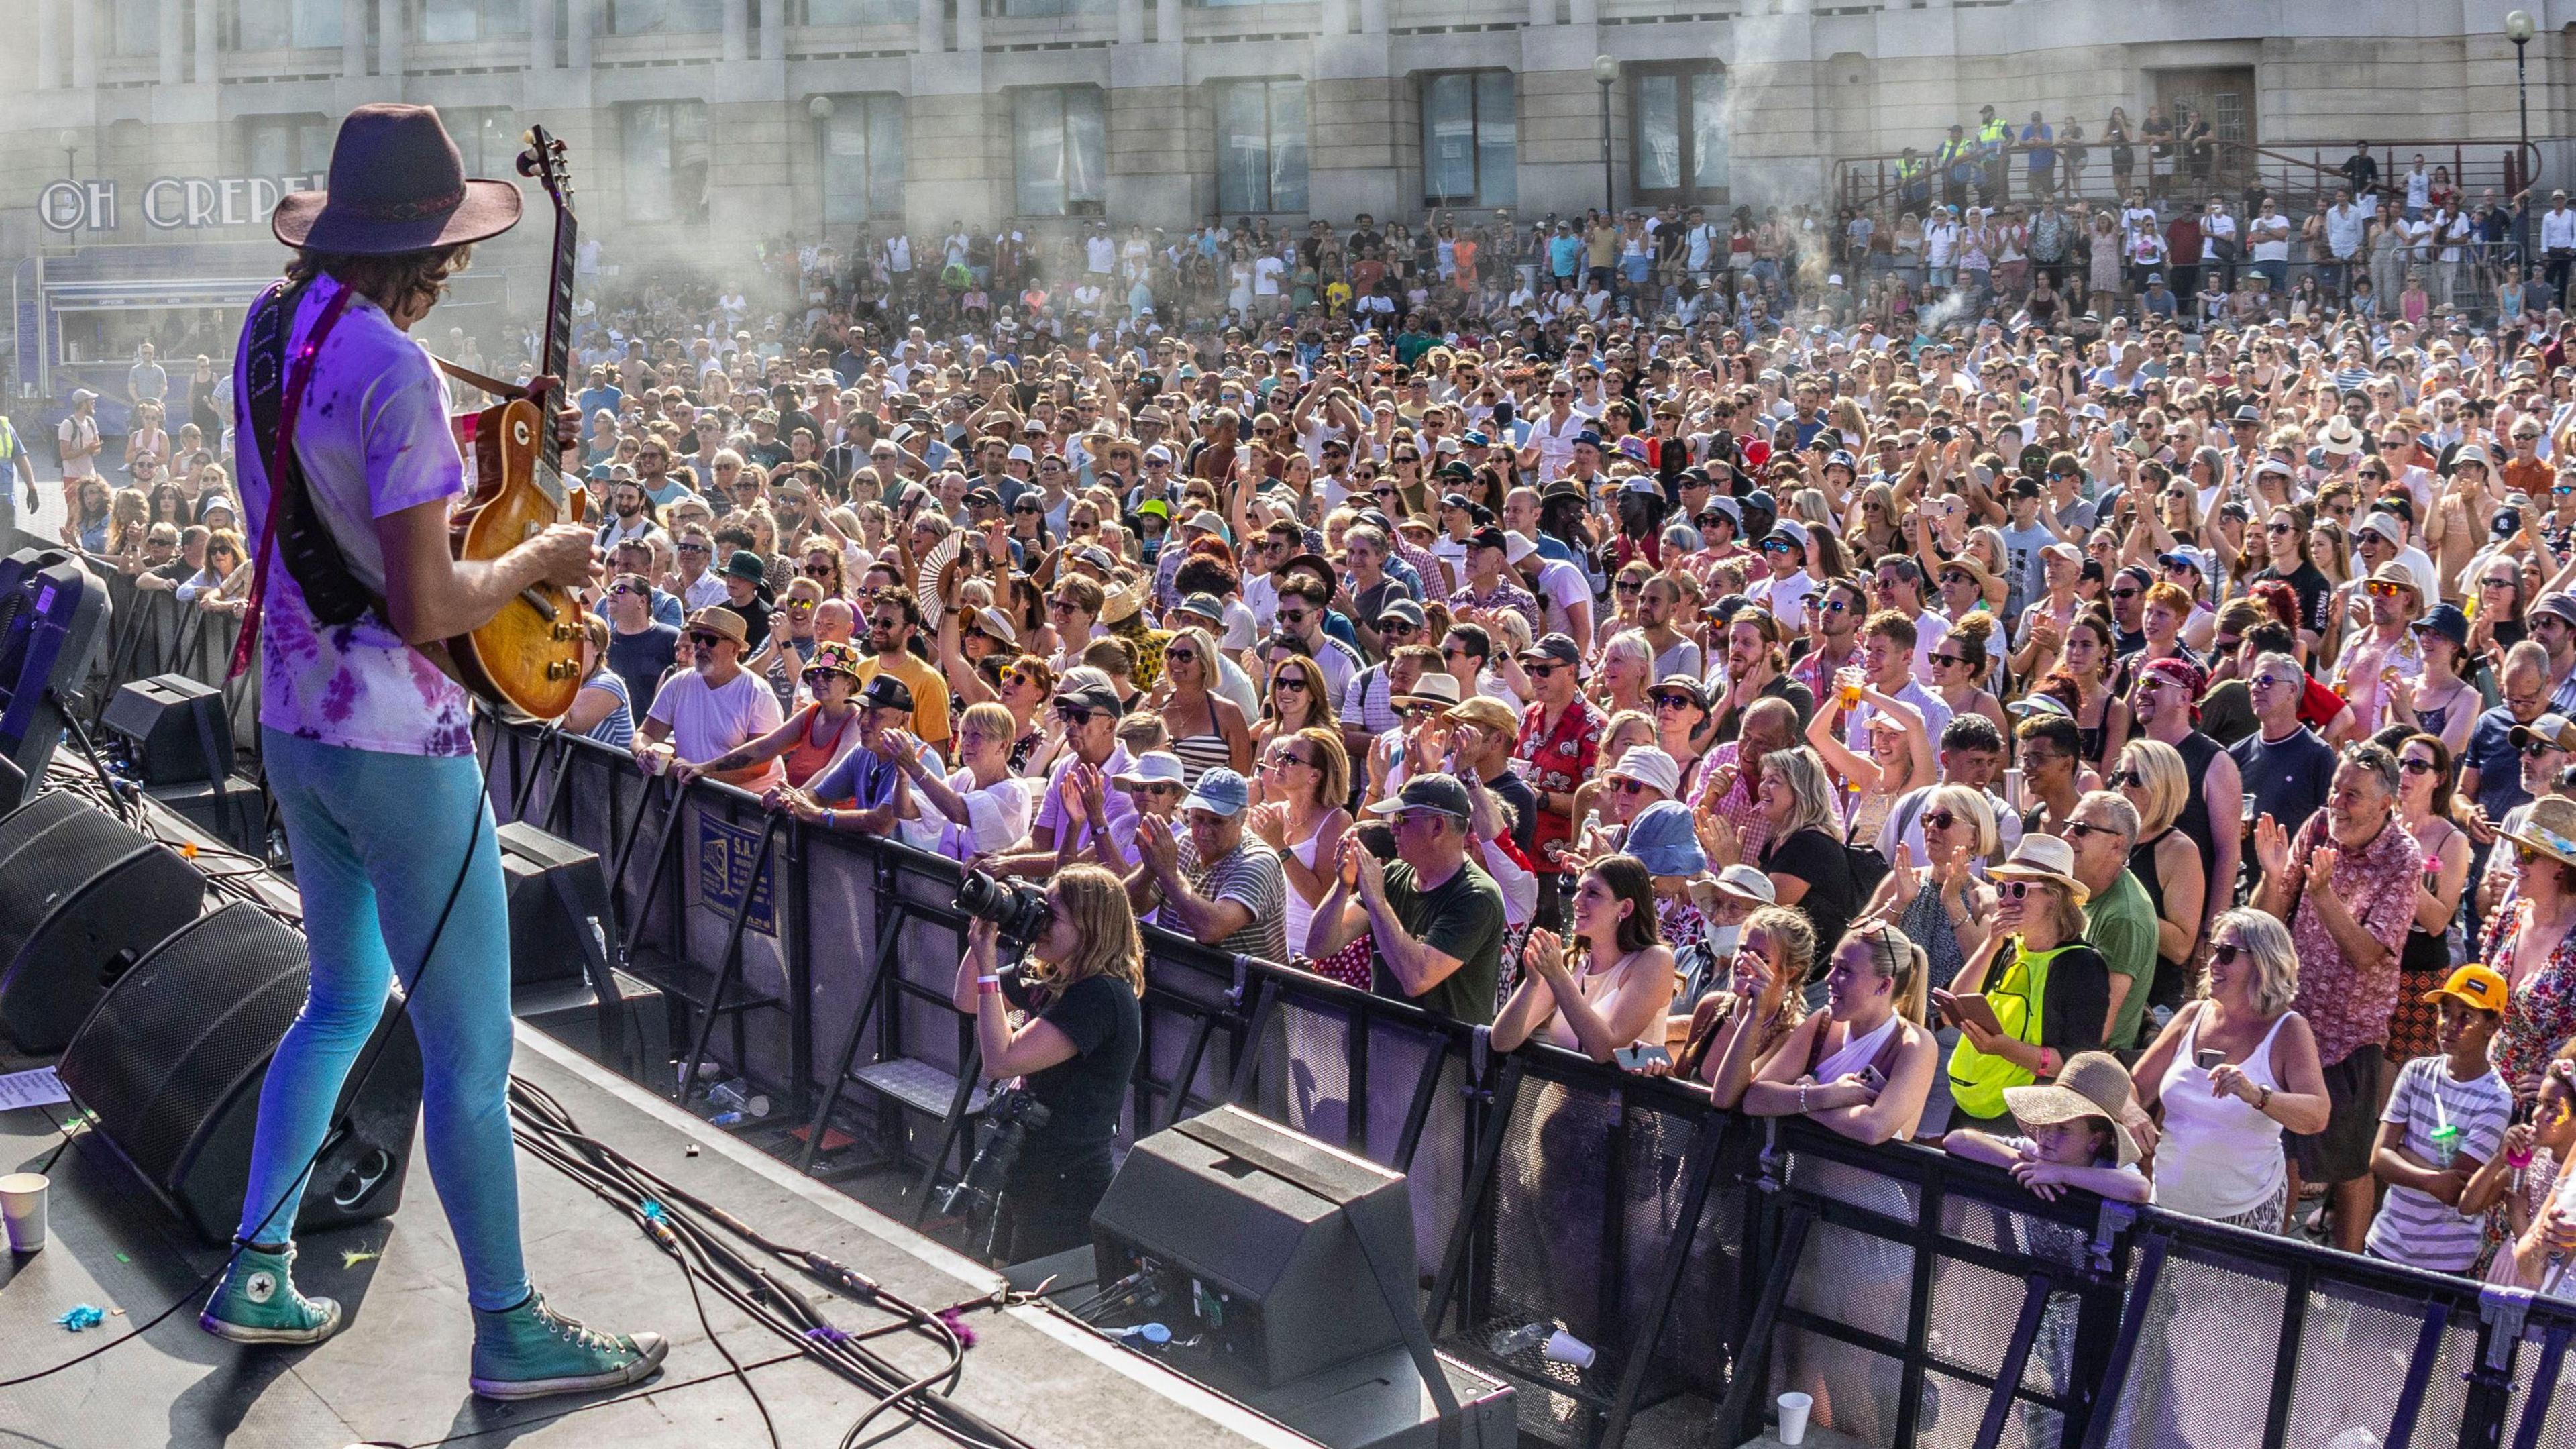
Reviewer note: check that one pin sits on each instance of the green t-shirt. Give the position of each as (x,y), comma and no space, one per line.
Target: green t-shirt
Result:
(1461,917)
(2121,924)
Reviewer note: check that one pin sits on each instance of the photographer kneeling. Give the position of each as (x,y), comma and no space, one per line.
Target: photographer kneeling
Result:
(1076,1053)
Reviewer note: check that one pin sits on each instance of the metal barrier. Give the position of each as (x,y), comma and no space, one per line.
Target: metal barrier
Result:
(1712,1260)
(150,632)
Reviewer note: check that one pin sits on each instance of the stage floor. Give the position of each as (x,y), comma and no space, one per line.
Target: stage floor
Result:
(396,1374)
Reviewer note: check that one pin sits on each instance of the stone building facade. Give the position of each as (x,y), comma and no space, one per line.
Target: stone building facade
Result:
(145,139)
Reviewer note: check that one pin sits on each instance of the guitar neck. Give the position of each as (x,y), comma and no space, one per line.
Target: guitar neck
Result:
(556,353)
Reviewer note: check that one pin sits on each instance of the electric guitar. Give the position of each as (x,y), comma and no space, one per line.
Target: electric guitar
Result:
(527,659)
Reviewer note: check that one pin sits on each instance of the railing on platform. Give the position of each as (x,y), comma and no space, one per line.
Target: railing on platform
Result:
(2301,178)
(1711,1259)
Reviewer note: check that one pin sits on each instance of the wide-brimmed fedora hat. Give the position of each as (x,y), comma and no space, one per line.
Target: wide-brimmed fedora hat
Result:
(397,184)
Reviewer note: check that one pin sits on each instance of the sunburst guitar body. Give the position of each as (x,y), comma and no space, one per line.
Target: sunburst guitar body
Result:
(527,659)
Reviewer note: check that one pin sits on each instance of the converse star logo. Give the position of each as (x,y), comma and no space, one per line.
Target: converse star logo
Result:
(260,1287)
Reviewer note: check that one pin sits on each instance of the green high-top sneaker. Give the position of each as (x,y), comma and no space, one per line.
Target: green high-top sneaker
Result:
(257,1303)
(531,1351)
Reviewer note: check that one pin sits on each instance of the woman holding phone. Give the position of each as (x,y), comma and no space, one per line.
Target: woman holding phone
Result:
(2232,1071)
(2040,993)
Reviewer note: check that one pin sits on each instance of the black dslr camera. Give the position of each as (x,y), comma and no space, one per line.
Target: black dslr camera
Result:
(1018,913)
(1012,1115)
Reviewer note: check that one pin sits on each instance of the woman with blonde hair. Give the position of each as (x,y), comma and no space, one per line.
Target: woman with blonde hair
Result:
(1626,669)
(2219,1155)
(2152,777)
(1874,532)
(1803,851)
(1207,728)
(1293,698)
(1305,780)
(1077,1051)
(1862,1066)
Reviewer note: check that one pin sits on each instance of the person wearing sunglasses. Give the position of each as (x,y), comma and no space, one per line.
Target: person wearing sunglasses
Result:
(1078,803)
(703,716)
(2384,659)
(2347,884)
(812,739)
(640,647)
(2047,988)
(2220,1155)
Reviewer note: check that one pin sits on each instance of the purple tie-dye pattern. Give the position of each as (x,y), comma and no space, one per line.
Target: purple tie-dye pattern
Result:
(355,685)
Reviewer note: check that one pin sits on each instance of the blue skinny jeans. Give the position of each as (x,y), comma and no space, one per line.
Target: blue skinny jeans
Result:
(378,838)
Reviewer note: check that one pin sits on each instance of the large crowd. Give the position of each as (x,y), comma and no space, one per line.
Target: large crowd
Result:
(2133,744)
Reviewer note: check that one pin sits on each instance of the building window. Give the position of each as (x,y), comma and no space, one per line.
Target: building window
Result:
(1020,8)
(860,12)
(1261,146)
(1679,117)
(1471,139)
(664,17)
(134,27)
(488,137)
(665,160)
(449,21)
(1060,149)
(863,151)
(285,145)
(285,24)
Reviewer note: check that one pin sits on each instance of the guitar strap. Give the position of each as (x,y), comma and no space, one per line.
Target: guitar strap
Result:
(294,531)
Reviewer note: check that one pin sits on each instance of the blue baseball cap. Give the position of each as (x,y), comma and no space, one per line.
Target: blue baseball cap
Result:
(1220,792)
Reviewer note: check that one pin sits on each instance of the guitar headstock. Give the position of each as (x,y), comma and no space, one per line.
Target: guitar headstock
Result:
(544,163)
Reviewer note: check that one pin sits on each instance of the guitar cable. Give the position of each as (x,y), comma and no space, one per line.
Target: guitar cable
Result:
(352,1088)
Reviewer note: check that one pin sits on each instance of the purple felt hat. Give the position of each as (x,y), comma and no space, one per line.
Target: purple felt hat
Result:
(397,184)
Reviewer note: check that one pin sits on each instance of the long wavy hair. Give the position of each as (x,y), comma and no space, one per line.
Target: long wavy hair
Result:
(1106,942)
(418,278)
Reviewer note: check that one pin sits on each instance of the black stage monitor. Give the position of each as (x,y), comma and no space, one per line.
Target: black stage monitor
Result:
(53,617)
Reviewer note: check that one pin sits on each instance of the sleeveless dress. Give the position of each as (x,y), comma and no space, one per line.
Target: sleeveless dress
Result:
(1201,753)
(2423,964)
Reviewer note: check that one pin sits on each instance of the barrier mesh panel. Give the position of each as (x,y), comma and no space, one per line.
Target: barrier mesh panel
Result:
(1309,1076)
(2202,1375)
(2560,1425)
(2353,1358)
(1855,1390)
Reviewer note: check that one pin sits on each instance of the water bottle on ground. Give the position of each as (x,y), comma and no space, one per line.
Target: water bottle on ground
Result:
(736,1099)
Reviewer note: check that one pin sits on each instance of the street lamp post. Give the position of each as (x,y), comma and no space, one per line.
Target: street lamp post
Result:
(820,108)
(1605,71)
(2519,28)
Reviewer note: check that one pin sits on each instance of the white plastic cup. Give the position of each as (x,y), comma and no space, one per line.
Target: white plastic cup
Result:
(22,1206)
(1563,1347)
(1793,1416)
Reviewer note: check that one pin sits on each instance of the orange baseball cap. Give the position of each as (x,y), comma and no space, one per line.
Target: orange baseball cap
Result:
(2480,986)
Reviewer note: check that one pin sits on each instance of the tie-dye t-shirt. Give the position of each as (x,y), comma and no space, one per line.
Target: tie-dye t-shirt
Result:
(374,439)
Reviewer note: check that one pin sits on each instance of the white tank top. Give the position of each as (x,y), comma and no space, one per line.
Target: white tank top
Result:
(1301,911)
(2219,1157)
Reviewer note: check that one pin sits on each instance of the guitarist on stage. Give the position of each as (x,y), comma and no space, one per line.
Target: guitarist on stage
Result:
(367,743)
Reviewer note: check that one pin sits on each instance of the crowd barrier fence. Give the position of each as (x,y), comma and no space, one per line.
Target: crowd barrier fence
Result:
(1711,1259)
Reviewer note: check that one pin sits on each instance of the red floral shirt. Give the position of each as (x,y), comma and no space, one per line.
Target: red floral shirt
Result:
(2540,1014)
(1557,760)
(2349,1008)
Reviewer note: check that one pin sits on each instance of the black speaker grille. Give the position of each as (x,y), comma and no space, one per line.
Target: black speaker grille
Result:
(84,894)
(170,1042)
